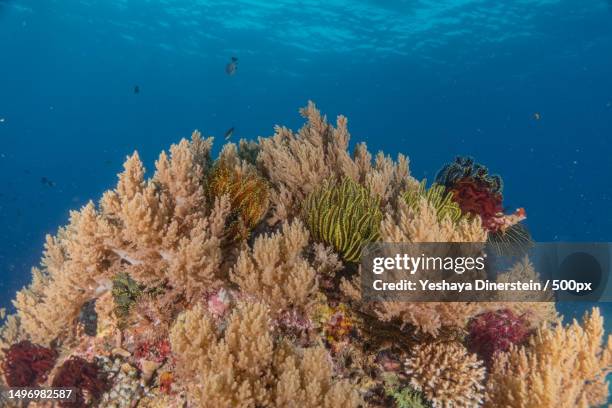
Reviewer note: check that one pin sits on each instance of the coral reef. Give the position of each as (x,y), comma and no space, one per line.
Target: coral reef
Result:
(343,215)
(234,282)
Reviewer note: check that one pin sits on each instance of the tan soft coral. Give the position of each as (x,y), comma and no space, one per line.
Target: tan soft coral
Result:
(71,263)
(422,224)
(245,367)
(275,270)
(404,224)
(297,163)
(560,367)
(158,229)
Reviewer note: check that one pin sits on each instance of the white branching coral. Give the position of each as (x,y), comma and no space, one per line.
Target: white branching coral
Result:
(275,270)
(245,367)
(447,375)
(560,367)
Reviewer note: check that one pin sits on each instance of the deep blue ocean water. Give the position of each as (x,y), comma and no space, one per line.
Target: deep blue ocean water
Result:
(430,78)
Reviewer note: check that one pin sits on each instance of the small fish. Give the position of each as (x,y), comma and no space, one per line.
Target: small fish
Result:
(47,182)
(2,313)
(232,66)
(229,132)
(2,120)
(136,89)
(537,116)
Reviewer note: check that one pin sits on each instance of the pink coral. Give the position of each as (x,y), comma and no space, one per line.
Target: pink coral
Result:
(26,364)
(492,332)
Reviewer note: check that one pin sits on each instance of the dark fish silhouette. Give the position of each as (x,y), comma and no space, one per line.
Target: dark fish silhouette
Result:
(47,182)
(232,66)
(229,132)
(136,89)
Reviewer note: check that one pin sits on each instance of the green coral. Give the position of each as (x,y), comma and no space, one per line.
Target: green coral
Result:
(437,196)
(404,396)
(343,215)
(126,292)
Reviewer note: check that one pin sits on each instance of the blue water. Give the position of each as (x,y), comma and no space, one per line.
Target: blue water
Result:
(431,78)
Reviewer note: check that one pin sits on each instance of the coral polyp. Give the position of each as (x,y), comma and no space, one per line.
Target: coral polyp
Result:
(344,215)
(26,364)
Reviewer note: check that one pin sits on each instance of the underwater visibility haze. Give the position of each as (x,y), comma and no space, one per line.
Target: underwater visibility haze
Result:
(522,86)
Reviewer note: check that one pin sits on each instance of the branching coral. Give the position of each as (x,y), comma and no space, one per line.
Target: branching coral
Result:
(245,367)
(560,367)
(345,216)
(71,262)
(447,375)
(275,270)
(151,229)
(26,364)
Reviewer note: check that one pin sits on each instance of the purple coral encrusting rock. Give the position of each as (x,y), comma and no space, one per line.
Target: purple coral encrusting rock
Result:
(496,331)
